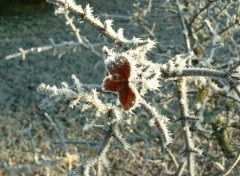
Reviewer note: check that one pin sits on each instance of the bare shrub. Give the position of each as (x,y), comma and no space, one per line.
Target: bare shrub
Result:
(191,96)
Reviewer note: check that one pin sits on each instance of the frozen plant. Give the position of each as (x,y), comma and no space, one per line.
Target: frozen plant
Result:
(189,85)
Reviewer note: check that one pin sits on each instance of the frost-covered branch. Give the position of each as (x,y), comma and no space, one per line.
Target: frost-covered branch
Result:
(60,48)
(193,72)
(158,120)
(214,44)
(99,159)
(84,43)
(105,28)
(184,27)
(190,150)
(53,47)
(176,68)
(79,94)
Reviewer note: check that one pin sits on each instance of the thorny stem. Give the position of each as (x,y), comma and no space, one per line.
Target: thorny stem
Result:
(194,72)
(97,158)
(53,47)
(158,121)
(184,110)
(85,44)
(98,25)
(100,157)
(75,30)
(184,27)
(183,100)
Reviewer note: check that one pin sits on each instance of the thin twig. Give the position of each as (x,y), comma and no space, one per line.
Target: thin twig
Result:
(33,146)
(54,47)
(59,131)
(181,168)
(197,15)
(184,27)
(232,165)
(83,42)
(172,156)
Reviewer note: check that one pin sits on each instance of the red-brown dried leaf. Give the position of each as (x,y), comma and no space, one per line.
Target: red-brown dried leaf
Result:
(118,82)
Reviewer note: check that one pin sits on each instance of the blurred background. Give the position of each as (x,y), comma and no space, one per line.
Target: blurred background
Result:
(18,7)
